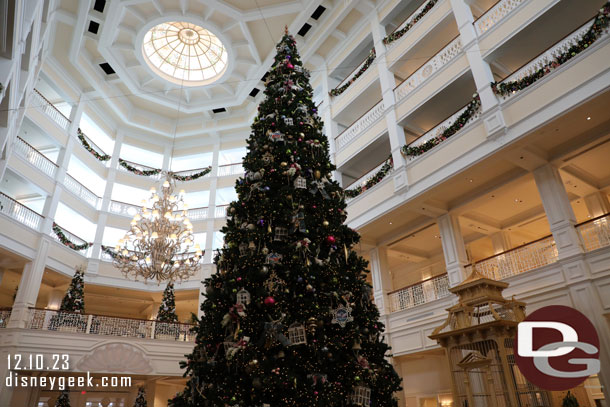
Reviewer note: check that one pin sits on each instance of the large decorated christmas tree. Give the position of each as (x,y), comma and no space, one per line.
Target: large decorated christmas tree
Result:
(74,300)
(288,318)
(167,309)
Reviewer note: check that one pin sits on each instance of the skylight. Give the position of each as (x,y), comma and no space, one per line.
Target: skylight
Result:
(185,53)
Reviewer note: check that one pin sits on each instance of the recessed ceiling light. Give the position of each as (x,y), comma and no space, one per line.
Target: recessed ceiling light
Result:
(588,117)
(390,223)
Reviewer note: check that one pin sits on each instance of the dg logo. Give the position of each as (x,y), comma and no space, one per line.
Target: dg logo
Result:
(557,348)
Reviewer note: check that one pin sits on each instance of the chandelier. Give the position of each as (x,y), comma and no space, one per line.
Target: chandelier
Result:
(159,244)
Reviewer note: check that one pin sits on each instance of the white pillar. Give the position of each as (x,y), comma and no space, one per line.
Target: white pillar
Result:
(558,210)
(453,248)
(382,280)
(29,286)
(209,237)
(597,204)
(331,129)
(501,241)
(55,297)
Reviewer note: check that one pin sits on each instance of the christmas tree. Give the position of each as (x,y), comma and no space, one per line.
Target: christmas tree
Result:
(167,309)
(288,318)
(141,399)
(74,300)
(569,401)
(64,399)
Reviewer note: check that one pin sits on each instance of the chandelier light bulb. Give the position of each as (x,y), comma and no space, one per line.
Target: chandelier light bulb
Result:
(173,237)
(124,252)
(166,184)
(147,259)
(168,215)
(155,213)
(188,242)
(154,235)
(153,190)
(182,192)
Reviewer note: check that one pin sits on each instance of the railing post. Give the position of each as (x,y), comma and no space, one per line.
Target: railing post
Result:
(152,330)
(89,320)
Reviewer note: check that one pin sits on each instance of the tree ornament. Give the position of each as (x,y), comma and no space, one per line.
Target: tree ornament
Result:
(331,239)
(342,315)
(243,297)
(317,174)
(269,301)
(325,223)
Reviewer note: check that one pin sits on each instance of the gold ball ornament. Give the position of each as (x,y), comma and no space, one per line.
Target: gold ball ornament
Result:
(317,174)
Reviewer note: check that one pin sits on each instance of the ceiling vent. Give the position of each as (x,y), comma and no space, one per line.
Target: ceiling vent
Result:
(254,92)
(107,68)
(93,27)
(99,5)
(219,110)
(303,31)
(316,14)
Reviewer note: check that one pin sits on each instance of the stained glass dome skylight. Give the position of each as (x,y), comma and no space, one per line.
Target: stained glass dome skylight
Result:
(186,53)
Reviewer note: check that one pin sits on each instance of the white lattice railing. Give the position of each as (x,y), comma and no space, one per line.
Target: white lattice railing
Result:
(550,55)
(421,293)
(595,233)
(408,20)
(5,315)
(230,169)
(360,125)
(221,211)
(518,260)
(81,191)
(51,320)
(20,212)
(123,208)
(197,213)
(35,157)
(442,58)
(42,103)
(492,16)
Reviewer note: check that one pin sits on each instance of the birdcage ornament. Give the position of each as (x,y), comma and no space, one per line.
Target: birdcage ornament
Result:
(298,68)
(296,334)
(243,297)
(361,396)
(281,233)
(288,121)
(243,249)
(300,183)
(276,136)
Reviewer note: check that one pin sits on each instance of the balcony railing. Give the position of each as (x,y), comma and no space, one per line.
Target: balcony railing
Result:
(230,169)
(42,103)
(408,21)
(186,173)
(496,13)
(423,73)
(421,293)
(524,258)
(5,315)
(362,180)
(123,208)
(198,213)
(92,144)
(20,212)
(51,320)
(81,191)
(35,157)
(595,233)
(74,239)
(221,211)
(360,125)
(141,167)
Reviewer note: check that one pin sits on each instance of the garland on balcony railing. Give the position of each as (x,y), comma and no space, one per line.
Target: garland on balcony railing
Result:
(601,22)
(67,242)
(472,108)
(137,171)
(367,63)
(399,33)
(110,252)
(373,180)
(87,146)
(192,177)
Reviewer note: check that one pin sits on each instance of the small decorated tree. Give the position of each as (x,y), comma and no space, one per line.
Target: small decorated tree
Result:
(74,300)
(167,309)
(569,401)
(64,399)
(141,399)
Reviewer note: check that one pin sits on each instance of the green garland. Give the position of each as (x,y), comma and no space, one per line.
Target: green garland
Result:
(600,23)
(67,242)
(137,171)
(88,147)
(399,33)
(110,252)
(191,177)
(373,180)
(472,108)
(367,63)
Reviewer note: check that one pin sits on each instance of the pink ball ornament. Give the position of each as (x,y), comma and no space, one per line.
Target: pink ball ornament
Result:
(290,66)
(269,301)
(331,239)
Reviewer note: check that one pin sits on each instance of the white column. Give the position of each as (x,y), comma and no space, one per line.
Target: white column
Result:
(29,286)
(382,280)
(331,129)
(597,204)
(453,248)
(209,236)
(558,210)
(501,241)
(167,157)
(55,297)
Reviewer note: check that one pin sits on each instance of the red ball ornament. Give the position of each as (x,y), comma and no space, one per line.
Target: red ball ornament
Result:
(290,66)
(331,239)
(269,301)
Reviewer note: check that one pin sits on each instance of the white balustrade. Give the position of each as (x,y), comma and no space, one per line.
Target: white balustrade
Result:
(123,208)
(221,211)
(495,14)
(230,169)
(20,212)
(360,125)
(42,103)
(425,72)
(409,20)
(595,233)
(81,191)
(421,293)
(519,260)
(35,157)
(550,55)
(52,320)
(197,213)
(5,315)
